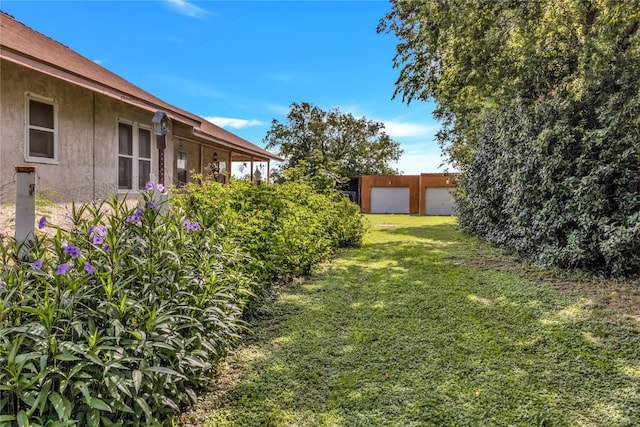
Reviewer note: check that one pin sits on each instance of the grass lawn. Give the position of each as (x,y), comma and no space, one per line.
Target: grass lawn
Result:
(424,326)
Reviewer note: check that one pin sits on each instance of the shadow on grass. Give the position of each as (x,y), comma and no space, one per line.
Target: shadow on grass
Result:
(394,334)
(441,232)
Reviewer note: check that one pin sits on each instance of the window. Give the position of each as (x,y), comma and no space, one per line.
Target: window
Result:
(134,156)
(41,134)
(222,172)
(181,166)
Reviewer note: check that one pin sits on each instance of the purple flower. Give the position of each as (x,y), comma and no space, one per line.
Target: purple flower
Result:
(151,205)
(1,283)
(150,185)
(37,264)
(190,226)
(106,247)
(137,216)
(42,222)
(88,268)
(62,268)
(160,188)
(99,233)
(72,250)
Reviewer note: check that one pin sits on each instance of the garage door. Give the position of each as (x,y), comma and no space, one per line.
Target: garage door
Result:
(438,201)
(390,200)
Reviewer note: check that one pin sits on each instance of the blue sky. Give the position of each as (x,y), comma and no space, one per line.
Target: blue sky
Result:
(242,63)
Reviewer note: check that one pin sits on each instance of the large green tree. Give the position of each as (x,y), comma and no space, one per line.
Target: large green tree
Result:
(336,144)
(540,105)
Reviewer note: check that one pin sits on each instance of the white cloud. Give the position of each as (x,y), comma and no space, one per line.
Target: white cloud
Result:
(185,8)
(99,61)
(234,123)
(397,129)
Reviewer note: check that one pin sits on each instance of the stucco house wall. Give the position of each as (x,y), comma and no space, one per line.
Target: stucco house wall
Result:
(88,103)
(74,153)
(87,135)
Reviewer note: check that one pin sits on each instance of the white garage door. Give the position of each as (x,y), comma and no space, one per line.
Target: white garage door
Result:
(438,201)
(390,200)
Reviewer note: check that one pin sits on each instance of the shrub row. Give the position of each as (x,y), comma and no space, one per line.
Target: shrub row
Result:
(559,180)
(121,319)
(286,228)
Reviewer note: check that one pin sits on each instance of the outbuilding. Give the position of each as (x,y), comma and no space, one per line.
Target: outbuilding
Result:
(424,194)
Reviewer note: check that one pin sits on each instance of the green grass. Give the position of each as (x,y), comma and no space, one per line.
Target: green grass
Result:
(424,326)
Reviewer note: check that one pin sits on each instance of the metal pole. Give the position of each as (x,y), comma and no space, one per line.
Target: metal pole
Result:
(25,209)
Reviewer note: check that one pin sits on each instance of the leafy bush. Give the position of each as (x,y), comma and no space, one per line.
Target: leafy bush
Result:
(559,181)
(286,228)
(540,106)
(121,319)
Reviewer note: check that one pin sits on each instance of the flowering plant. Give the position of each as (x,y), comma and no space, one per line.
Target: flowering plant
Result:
(120,319)
(124,313)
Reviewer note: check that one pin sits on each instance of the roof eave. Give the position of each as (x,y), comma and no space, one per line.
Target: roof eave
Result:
(233,147)
(94,86)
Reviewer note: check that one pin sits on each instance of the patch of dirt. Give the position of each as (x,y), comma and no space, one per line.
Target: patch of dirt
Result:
(200,413)
(55,214)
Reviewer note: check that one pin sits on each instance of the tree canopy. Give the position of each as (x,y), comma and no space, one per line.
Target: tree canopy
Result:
(540,106)
(332,143)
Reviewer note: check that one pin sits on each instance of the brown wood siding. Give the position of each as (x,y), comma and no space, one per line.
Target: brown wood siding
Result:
(431,180)
(417,185)
(370,181)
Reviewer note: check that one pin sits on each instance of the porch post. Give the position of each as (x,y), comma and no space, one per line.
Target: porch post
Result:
(160,129)
(202,160)
(162,144)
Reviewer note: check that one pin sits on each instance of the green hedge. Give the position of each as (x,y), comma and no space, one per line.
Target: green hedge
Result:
(558,180)
(286,228)
(121,319)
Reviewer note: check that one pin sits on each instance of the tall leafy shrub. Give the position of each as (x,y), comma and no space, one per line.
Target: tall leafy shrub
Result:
(559,181)
(285,228)
(540,105)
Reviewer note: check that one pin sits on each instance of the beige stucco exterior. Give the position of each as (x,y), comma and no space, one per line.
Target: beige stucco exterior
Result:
(87,125)
(40,76)
(87,138)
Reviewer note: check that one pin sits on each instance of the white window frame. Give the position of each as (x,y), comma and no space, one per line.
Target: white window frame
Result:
(135,154)
(29,96)
(179,155)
